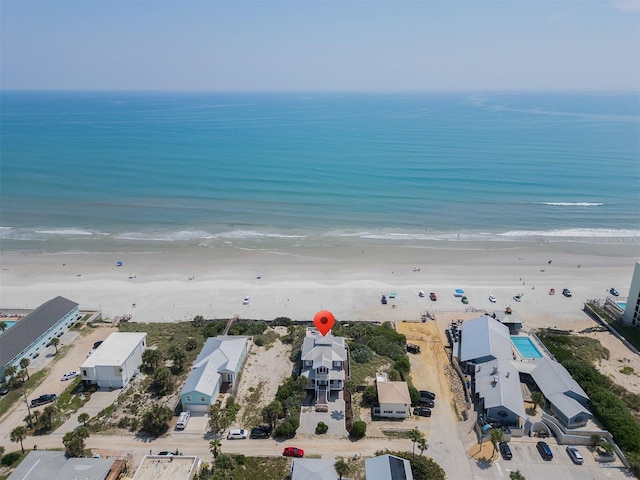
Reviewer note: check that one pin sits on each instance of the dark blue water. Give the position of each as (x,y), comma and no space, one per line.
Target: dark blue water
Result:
(200,167)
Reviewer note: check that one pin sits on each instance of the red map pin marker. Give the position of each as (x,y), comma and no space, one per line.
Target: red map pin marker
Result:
(324,321)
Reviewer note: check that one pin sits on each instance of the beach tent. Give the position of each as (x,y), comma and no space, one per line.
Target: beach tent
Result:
(118,264)
(459,292)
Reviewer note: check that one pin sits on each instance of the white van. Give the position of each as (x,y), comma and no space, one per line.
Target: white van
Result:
(183,419)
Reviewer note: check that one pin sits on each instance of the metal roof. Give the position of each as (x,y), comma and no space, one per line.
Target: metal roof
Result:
(551,377)
(387,467)
(498,383)
(568,406)
(313,469)
(484,337)
(115,350)
(30,328)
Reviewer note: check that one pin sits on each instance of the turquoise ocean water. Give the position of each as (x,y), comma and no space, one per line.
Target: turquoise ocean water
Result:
(98,171)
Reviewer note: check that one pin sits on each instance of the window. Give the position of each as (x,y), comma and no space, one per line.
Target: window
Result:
(400,412)
(323,370)
(84,373)
(188,398)
(202,399)
(387,411)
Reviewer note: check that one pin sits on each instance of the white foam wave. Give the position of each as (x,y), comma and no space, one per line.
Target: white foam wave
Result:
(66,231)
(575,233)
(571,204)
(187,235)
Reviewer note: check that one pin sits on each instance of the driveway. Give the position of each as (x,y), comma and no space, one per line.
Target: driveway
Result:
(334,419)
(99,401)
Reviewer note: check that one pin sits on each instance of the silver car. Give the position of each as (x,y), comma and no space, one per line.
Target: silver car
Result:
(575,455)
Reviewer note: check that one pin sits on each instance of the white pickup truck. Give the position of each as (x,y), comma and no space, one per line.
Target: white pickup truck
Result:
(183,419)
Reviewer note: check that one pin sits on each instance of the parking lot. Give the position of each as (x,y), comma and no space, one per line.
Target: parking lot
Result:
(527,459)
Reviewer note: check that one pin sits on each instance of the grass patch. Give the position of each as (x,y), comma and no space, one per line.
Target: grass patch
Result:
(397,434)
(627,370)
(240,467)
(565,347)
(251,416)
(27,387)
(632,334)
(266,339)
(360,371)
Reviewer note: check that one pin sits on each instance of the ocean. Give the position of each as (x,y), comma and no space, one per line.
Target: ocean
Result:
(105,171)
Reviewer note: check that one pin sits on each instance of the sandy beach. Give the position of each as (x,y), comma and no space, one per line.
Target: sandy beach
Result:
(175,283)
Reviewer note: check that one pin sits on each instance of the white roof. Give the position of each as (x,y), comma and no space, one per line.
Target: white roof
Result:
(387,467)
(551,377)
(115,349)
(313,469)
(484,337)
(218,355)
(498,383)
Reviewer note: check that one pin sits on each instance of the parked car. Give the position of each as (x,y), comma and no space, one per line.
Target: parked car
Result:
(246,300)
(566,292)
(97,344)
(413,348)
(4,391)
(433,297)
(183,419)
(237,434)
(421,293)
(383,300)
(505,450)
(517,298)
(465,300)
(575,455)
(263,431)
(165,453)
(427,394)
(544,450)
(492,299)
(427,402)
(293,452)
(44,399)
(614,292)
(69,376)
(422,411)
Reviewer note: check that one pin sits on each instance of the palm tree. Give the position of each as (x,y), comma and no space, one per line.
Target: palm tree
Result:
(81,431)
(47,416)
(496,437)
(178,356)
(24,363)
(3,326)
(422,445)
(415,435)
(55,341)
(516,475)
(342,467)
(10,371)
(18,434)
(214,447)
(538,399)
(272,412)
(83,418)
(152,358)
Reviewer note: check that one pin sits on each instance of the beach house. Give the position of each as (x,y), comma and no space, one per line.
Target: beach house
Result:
(324,363)
(31,335)
(393,398)
(116,361)
(217,367)
(387,467)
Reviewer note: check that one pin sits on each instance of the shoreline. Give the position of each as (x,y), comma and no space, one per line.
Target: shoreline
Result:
(296,282)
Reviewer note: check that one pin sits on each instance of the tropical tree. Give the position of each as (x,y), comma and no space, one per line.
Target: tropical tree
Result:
(152,358)
(74,444)
(47,416)
(83,418)
(422,445)
(10,371)
(3,326)
(350,387)
(415,435)
(198,321)
(24,363)
(272,412)
(342,467)
(178,356)
(215,446)
(18,434)
(163,381)
(497,435)
(155,419)
(55,341)
(82,431)
(538,399)
(516,475)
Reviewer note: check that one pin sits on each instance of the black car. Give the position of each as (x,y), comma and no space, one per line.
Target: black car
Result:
(260,432)
(44,399)
(566,292)
(427,402)
(427,394)
(422,411)
(614,292)
(97,344)
(544,450)
(505,450)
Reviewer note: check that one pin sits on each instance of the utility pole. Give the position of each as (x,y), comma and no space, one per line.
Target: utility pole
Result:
(28,410)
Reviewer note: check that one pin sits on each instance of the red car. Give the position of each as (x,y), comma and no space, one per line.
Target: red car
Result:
(293,452)
(433,297)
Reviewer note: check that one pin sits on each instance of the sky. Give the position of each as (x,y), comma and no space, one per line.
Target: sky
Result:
(361,46)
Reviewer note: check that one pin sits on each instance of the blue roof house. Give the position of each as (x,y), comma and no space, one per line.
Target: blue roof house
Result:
(217,365)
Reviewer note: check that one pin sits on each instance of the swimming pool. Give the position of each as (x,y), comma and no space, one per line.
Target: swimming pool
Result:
(525,347)
(9,323)
(622,305)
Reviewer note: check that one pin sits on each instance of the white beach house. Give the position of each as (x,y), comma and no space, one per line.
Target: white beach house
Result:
(116,361)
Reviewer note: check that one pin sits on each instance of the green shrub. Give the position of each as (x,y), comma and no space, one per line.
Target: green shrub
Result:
(359,429)
(370,396)
(322,428)
(361,353)
(10,458)
(288,428)
(282,322)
